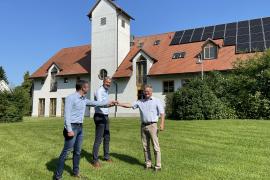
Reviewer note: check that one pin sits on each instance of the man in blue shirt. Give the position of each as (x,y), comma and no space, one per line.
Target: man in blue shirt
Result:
(73,131)
(150,110)
(101,119)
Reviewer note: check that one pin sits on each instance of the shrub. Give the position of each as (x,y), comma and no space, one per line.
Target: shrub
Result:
(197,101)
(11,106)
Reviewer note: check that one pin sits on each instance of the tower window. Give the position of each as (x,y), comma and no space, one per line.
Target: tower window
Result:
(103,74)
(210,51)
(103,21)
(123,23)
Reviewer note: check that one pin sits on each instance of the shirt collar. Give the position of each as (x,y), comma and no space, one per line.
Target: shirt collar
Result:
(80,96)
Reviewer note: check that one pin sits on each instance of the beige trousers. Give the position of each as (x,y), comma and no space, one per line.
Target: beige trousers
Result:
(149,135)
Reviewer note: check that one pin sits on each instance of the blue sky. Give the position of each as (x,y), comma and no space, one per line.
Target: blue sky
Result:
(32,31)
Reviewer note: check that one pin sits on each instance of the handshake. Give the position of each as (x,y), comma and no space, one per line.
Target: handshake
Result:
(113,103)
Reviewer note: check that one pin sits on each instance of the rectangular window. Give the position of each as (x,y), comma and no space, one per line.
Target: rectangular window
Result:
(63,107)
(185,82)
(123,23)
(103,21)
(41,107)
(210,52)
(65,80)
(168,87)
(42,81)
(52,107)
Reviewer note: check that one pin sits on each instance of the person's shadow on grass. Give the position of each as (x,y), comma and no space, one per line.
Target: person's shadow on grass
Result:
(128,159)
(52,165)
(121,157)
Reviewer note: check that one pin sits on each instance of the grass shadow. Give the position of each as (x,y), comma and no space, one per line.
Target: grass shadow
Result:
(128,159)
(88,156)
(52,165)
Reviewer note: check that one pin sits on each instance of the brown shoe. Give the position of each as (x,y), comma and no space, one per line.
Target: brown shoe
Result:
(96,165)
(79,176)
(109,160)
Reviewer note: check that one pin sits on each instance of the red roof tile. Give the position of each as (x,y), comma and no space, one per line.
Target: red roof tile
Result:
(70,61)
(166,65)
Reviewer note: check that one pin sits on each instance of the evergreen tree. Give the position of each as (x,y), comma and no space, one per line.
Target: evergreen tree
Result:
(3,75)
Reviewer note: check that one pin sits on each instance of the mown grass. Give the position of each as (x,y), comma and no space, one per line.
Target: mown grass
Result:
(226,149)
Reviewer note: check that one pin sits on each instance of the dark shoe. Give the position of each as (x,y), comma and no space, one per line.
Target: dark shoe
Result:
(54,178)
(96,165)
(108,160)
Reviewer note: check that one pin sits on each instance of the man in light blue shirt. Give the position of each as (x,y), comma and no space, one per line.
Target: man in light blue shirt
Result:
(73,131)
(101,118)
(150,110)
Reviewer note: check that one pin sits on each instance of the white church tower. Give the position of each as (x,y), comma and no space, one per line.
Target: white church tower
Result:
(110,42)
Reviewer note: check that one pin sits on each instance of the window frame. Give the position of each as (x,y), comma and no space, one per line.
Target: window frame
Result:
(101,75)
(123,23)
(103,21)
(207,48)
(167,83)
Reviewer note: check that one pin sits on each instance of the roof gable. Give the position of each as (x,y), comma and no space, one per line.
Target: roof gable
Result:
(118,9)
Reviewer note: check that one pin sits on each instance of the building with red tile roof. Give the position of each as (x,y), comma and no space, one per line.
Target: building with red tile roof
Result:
(166,61)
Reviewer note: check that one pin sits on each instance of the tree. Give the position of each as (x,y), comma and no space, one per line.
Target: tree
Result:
(3,75)
(26,87)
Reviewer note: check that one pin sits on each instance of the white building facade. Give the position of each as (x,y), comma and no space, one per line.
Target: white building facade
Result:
(157,60)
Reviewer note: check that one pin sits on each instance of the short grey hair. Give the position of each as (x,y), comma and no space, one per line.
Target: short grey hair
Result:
(107,78)
(148,86)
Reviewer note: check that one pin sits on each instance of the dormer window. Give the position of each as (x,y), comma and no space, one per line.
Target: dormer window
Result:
(157,42)
(140,45)
(178,55)
(210,51)
(103,21)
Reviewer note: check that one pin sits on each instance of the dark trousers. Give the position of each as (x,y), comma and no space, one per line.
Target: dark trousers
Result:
(75,143)
(102,132)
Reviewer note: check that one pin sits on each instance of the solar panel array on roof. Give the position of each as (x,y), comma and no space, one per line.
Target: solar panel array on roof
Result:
(248,36)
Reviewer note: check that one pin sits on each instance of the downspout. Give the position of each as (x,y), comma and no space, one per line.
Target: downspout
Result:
(115,83)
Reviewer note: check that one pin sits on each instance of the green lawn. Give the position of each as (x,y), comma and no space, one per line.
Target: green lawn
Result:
(227,149)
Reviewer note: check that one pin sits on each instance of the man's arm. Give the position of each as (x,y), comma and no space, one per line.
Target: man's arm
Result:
(68,107)
(161,111)
(100,103)
(162,123)
(125,105)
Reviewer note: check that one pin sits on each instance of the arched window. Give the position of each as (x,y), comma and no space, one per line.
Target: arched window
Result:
(141,71)
(54,71)
(210,51)
(103,74)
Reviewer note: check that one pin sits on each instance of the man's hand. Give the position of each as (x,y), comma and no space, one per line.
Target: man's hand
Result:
(113,103)
(161,127)
(70,134)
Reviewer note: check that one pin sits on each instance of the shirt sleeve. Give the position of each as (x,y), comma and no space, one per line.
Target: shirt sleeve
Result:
(135,105)
(160,107)
(98,95)
(97,103)
(68,108)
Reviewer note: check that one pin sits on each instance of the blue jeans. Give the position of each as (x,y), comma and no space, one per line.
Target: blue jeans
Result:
(75,143)
(102,132)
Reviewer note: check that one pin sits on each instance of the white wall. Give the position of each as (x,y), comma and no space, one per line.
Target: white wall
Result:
(63,90)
